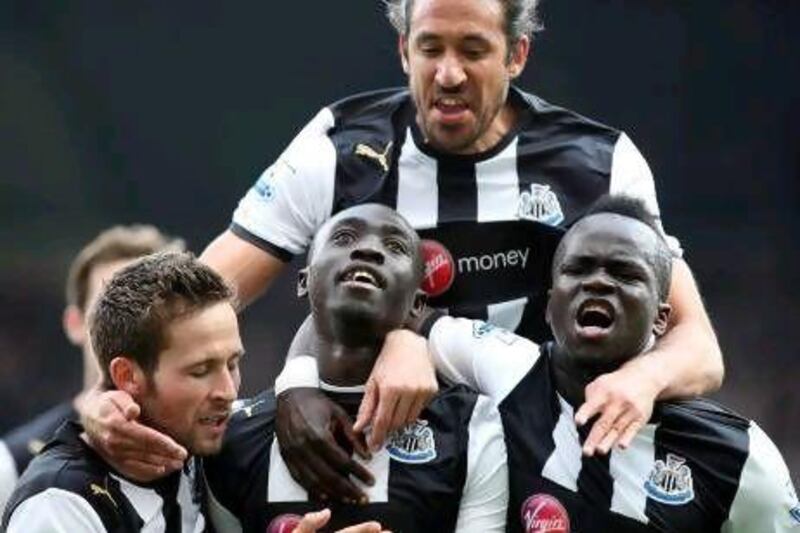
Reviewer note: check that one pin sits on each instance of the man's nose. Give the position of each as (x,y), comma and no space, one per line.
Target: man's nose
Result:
(369,250)
(227,387)
(450,72)
(597,282)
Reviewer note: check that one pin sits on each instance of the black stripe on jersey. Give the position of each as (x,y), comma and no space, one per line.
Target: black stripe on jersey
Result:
(458,192)
(715,443)
(594,480)
(530,414)
(272,249)
(366,163)
(558,142)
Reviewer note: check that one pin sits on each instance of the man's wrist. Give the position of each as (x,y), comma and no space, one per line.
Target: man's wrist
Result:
(300,371)
(651,368)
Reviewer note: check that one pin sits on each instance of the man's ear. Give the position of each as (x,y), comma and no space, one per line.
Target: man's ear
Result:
(420,299)
(402,49)
(662,319)
(302,283)
(518,56)
(72,320)
(127,375)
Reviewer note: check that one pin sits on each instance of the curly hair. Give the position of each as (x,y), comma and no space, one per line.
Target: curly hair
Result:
(522,18)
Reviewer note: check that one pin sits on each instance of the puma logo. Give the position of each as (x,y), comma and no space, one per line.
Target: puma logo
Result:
(369,152)
(97,490)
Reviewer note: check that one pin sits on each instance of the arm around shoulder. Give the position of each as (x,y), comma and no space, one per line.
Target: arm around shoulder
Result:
(687,358)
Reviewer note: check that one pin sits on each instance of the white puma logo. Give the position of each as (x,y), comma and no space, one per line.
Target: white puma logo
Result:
(369,152)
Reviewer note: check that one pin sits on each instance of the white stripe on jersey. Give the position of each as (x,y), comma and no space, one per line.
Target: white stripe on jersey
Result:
(630,469)
(564,464)
(765,495)
(508,314)
(631,176)
(417,189)
(149,505)
(485,498)
(281,486)
(498,187)
(55,511)
(8,475)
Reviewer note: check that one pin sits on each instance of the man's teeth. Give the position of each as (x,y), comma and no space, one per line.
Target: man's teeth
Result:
(450,102)
(213,419)
(361,276)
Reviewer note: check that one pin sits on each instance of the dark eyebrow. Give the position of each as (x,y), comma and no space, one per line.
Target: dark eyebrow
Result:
(399,231)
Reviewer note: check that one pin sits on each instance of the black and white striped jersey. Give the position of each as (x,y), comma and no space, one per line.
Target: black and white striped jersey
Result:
(20,445)
(69,488)
(695,467)
(488,219)
(445,472)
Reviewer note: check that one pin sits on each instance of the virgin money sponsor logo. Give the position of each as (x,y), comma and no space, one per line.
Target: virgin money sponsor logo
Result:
(284,523)
(439,268)
(495,261)
(542,513)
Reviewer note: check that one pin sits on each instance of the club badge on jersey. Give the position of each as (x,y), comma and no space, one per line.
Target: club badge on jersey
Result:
(413,444)
(540,205)
(670,482)
(542,513)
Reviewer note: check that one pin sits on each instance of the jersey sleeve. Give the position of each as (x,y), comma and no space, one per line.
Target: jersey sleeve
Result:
(487,358)
(631,176)
(55,511)
(766,499)
(485,499)
(294,196)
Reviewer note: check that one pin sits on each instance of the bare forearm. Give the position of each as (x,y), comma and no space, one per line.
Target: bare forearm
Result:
(687,360)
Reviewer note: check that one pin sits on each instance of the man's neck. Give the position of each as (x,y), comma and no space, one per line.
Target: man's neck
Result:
(348,364)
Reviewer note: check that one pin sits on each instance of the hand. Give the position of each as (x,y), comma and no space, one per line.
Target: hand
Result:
(311,522)
(307,427)
(401,384)
(624,402)
(139,452)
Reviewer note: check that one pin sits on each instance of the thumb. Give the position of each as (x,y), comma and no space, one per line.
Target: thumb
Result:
(313,521)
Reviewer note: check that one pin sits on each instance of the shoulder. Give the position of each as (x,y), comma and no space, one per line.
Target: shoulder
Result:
(27,440)
(367,108)
(65,475)
(549,119)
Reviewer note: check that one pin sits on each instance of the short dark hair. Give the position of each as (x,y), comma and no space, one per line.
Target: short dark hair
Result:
(521,17)
(114,244)
(140,301)
(635,208)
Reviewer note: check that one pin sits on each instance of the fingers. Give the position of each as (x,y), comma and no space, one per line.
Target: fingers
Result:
(602,430)
(401,412)
(589,409)
(384,414)
(311,522)
(125,405)
(629,432)
(367,407)
(366,527)
(355,439)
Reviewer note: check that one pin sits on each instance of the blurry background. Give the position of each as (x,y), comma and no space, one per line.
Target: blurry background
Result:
(166,112)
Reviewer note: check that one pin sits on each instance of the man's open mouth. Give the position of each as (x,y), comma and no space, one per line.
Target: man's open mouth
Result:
(362,276)
(215,420)
(595,316)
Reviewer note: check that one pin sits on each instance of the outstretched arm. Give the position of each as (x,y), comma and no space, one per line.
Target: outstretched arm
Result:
(685,362)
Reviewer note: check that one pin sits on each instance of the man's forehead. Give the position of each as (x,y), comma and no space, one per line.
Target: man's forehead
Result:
(599,231)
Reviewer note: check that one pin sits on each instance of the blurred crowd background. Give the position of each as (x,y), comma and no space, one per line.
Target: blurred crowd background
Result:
(166,112)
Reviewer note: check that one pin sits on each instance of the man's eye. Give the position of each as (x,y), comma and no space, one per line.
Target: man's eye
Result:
(396,246)
(199,372)
(430,51)
(474,54)
(343,237)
